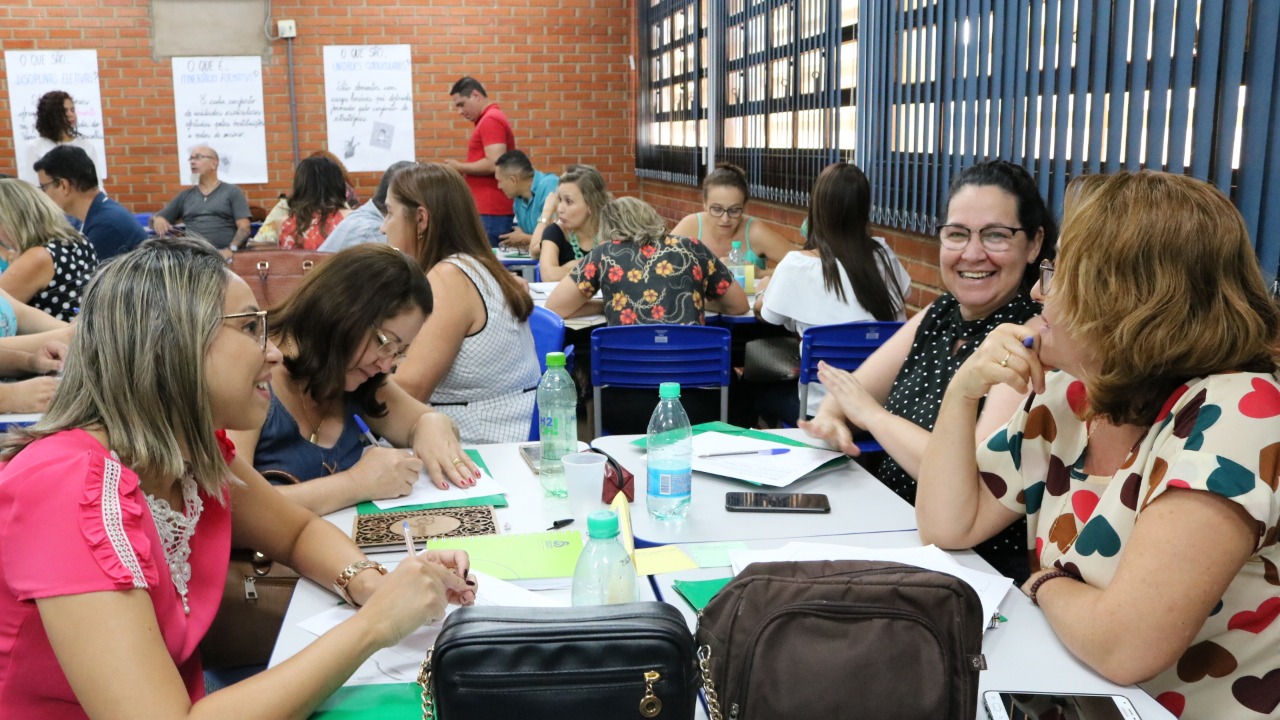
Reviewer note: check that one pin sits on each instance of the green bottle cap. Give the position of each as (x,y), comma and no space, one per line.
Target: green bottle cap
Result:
(669,390)
(737,244)
(555,359)
(602,524)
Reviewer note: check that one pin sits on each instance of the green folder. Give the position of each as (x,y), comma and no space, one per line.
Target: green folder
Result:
(372,702)
(699,592)
(727,429)
(498,501)
(529,556)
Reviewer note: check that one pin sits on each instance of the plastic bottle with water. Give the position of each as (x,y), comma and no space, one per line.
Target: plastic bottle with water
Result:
(737,264)
(557,423)
(604,574)
(670,457)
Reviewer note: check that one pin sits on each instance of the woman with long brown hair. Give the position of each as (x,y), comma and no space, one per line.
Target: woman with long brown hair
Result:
(474,359)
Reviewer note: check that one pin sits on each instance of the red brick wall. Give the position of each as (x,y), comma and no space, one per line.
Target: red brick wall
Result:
(918,253)
(558,68)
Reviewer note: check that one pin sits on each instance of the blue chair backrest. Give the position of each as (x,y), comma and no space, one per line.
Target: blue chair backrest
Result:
(844,346)
(144,219)
(548,334)
(649,355)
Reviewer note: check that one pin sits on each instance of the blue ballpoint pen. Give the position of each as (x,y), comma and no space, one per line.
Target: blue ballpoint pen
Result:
(767,451)
(364,429)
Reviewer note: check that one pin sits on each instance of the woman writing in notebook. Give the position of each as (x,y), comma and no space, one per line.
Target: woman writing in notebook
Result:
(341,331)
(116,514)
(1146,466)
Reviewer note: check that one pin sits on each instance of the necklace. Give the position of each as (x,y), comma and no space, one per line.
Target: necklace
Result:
(573,243)
(306,413)
(175,530)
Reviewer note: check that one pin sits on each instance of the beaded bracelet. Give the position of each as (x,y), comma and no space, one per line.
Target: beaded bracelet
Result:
(1035,586)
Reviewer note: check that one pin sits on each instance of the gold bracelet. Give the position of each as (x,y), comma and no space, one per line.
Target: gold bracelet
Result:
(344,578)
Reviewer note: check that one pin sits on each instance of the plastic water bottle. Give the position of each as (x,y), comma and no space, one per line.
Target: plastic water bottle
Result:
(557,423)
(604,574)
(737,263)
(670,456)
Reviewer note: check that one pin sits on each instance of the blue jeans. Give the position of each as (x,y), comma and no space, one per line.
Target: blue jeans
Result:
(497,225)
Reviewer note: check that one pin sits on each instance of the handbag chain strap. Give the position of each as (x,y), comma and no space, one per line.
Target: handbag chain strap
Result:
(424,679)
(709,687)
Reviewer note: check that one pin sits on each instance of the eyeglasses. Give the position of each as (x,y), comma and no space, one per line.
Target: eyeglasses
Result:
(255,329)
(1046,276)
(733,212)
(388,349)
(197,156)
(44,187)
(995,238)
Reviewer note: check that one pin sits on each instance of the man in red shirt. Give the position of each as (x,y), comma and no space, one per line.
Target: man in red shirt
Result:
(491,138)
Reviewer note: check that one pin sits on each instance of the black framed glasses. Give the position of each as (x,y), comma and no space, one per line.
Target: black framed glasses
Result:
(733,212)
(199,156)
(995,238)
(1046,276)
(44,187)
(256,329)
(389,348)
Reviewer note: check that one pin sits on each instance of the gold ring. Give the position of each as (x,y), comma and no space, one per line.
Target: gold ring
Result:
(457,461)
(1005,361)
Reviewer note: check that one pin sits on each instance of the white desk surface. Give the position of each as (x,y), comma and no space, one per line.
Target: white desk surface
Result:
(859,503)
(1022,654)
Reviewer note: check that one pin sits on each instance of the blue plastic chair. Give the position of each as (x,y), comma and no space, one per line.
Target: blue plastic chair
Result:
(548,337)
(645,356)
(844,346)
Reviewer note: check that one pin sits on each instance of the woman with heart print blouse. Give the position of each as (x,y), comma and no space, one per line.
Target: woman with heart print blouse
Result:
(1146,465)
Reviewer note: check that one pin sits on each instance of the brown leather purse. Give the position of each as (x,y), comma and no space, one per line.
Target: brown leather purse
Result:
(272,274)
(254,601)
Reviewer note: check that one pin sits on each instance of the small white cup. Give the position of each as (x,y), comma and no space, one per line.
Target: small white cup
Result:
(584,475)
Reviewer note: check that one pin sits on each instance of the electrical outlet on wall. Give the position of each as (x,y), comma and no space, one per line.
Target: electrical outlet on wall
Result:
(287,28)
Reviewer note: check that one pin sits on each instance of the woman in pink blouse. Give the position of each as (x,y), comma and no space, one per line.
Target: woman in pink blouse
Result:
(116,513)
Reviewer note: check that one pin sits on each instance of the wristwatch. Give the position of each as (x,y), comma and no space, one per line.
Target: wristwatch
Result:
(344,578)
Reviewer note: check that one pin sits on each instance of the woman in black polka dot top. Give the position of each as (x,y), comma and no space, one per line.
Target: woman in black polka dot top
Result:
(996,232)
(49,261)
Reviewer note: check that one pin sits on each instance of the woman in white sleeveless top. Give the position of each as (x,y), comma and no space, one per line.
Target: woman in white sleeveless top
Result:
(474,359)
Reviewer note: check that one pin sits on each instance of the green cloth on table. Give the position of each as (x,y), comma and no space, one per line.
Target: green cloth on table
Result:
(699,592)
(498,501)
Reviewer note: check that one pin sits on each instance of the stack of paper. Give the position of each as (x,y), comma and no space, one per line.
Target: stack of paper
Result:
(426,493)
(773,470)
(990,587)
(400,663)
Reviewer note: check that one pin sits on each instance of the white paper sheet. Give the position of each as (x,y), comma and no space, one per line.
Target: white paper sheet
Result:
(217,101)
(773,470)
(424,491)
(991,588)
(400,662)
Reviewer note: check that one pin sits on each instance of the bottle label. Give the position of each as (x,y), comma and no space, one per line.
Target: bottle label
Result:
(670,483)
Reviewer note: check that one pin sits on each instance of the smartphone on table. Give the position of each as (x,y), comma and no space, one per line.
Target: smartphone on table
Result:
(1034,706)
(531,453)
(776,502)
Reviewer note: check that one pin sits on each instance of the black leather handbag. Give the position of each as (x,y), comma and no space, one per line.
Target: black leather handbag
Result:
(612,661)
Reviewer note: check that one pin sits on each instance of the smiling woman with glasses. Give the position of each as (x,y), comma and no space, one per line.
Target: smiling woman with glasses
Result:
(342,331)
(724,221)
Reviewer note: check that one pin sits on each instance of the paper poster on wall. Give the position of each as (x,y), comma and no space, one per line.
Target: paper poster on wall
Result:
(217,101)
(32,73)
(368,93)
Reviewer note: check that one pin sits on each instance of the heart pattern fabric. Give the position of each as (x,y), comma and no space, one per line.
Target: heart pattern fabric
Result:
(1218,435)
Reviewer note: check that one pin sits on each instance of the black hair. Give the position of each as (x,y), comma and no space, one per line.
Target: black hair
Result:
(70,163)
(516,160)
(1033,215)
(466,86)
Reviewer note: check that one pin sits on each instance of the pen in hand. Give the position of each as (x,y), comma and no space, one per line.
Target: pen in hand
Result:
(364,430)
(766,451)
(408,537)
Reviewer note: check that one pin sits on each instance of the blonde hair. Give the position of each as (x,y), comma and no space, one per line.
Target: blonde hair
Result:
(1159,280)
(631,219)
(30,218)
(136,368)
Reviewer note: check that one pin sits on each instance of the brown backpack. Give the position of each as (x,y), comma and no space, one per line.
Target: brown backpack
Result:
(842,640)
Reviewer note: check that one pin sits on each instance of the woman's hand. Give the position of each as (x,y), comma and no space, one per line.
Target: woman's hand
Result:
(412,595)
(27,396)
(435,441)
(1001,358)
(853,400)
(832,429)
(49,358)
(386,472)
(460,565)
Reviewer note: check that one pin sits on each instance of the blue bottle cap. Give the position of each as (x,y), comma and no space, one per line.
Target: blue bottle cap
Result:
(669,390)
(602,524)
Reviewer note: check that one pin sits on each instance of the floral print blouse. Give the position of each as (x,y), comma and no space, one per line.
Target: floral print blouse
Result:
(1218,434)
(653,283)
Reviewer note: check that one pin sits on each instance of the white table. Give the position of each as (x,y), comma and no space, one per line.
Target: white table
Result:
(1022,654)
(859,503)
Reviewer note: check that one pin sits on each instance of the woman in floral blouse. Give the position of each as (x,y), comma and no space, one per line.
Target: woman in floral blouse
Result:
(1147,464)
(645,275)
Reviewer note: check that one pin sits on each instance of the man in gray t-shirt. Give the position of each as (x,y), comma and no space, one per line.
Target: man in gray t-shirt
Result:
(212,209)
